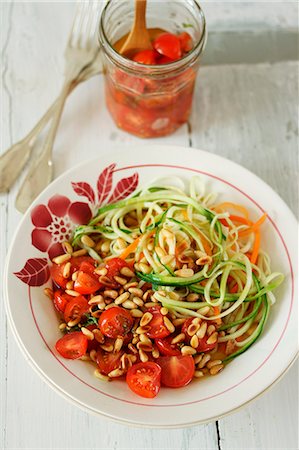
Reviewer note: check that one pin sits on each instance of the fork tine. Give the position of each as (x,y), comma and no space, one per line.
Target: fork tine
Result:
(96,9)
(77,15)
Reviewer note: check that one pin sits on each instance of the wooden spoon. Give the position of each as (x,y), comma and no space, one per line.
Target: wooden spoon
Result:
(138,38)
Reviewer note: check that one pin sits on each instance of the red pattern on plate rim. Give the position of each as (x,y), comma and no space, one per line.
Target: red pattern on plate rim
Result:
(249,375)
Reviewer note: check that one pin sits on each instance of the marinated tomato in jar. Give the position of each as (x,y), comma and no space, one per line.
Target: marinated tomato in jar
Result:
(147,104)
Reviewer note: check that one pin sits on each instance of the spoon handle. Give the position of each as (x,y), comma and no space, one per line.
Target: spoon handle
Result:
(140,14)
(41,170)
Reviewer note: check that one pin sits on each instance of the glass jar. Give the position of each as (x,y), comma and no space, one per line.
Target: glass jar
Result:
(151,100)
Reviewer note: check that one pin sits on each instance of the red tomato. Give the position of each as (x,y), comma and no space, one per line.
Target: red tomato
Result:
(108,361)
(115,322)
(186,42)
(177,371)
(166,348)
(79,260)
(61,299)
(164,60)
(157,327)
(202,346)
(86,283)
(146,57)
(113,267)
(56,271)
(144,379)
(168,44)
(75,308)
(72,345)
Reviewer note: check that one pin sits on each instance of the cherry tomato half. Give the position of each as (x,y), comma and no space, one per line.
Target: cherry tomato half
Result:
(168,44)
(177,371)
(108,361)
(146,57)
(115,322)
(157,326)
(72,345)
(75,308)
(144,379)
(57,269)
(61,299)
(186,42)
(86,283)
(166,348)
(202,346)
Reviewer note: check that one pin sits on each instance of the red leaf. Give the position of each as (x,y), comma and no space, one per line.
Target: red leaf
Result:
(104,184)
(124,188)
(85,190)
(36,272)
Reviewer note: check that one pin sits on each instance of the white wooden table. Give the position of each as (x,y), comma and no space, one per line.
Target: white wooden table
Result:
(246,112)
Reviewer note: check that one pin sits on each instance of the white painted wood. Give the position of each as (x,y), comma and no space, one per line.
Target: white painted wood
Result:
(247,113)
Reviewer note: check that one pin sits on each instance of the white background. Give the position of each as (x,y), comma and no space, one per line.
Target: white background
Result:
(246,112)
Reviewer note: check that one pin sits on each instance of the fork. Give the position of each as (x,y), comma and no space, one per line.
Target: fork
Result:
(81,50)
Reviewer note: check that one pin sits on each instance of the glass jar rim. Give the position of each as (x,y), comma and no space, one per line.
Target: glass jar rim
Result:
(155,69)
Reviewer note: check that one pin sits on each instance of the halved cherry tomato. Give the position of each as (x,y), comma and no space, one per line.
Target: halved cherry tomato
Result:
(61,299)
(115,322)
(72,345)
(146,57)
(86,283)
(202,346)
(108,361)
(177,371)
(144,379)
(166,348)
(56,271)
(157,326)
(185,41)
(164,60)
(168,44)
(113,267)
(75,308)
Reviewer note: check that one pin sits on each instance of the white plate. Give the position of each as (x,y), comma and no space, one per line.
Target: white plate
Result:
(34,322)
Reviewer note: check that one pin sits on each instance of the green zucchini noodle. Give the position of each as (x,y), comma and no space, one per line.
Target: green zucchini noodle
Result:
(201,260)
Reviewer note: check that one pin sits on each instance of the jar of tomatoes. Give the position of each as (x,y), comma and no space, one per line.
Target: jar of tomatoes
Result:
(149,94)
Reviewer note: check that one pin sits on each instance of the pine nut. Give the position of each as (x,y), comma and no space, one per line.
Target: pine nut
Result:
(111,293)
(118,344)
(196,320)
(202,330)
(69,285)
(184,273)
(120,280)
(146,318)
(143,356)
(160,252)
(49,293)
(67,247)
(136,291)
(80,252)
(126,362)
(136,313)
(143,338)
(138,301)
(150,304)
(213,363)
(85,358)
(144,268)
(203,361)
(150,246)
(169,325)
(121,243)
(107,348)
(213,338)
(93,355)
(131,284)
(145,347)
(105,247)
(87,333)
(61,258)
(192,329)
(178,322)
(100,376)
(194,341)
(206,259)
(62,326)
(146,294)
(74,322)
(204,310)
(216,369)
(72,293)
(98,336)
(127,272)
(164,311)
(155,353)
(167,259)
(179,338)
(110,305)
(115,373)
(101,271)
(132,348)
(122,298)
(192,297)
(135,339)
(142,330)
(75,275)
(96,299)
(197,359)
(210,330)
(86,240)
(187,350)
(128,304)
(198,374)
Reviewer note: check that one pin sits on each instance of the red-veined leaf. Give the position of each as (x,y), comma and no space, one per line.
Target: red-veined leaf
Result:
(104,184)
(124,188)
(85,190)
(36,272)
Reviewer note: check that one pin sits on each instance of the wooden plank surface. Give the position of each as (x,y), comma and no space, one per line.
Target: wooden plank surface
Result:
(245,112)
